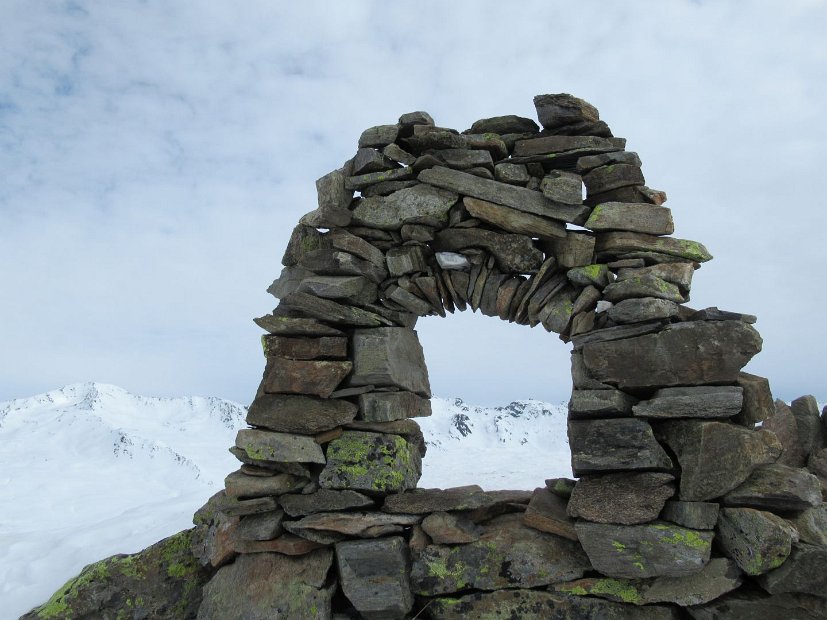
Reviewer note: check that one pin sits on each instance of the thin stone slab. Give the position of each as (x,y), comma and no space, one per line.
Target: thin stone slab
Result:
(300,348)
(679,274)
(606,178)
(332,262)
(537,605)
(422,501)
(356,290)
(312,377)
(374,576)
(642,286)
(703,401)
(686,354)
(332,311)
(623,498)
(234,507)
(618,332)
(507,555)
(372,462)
(584,164)
(639,551)
(286,544)
(547,512)
(304,415)
(331,527)
(695,515)
(421,204)
(777,487)
(241,486)
(622,444)
(514,253)
(631,216)
(512,220)
(389,406)
(642,309)
(573,147)
(279,447)
(345,241)
(462,159)
(270,585)
(619,243)
(371,179)
(389,356)
(288,281)
(758,541)
(715,314)
(289,326)
(802,573)
(513,196)
(323,500)
(600,404)
(408,300)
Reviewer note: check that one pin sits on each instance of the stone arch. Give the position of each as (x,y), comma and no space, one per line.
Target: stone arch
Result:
(427,220)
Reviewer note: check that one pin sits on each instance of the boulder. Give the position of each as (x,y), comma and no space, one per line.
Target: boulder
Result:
(271,585)
(758,541)
(716,457)
(389,357)
(378,136)
(507,555)
(704,401)
(777,487)
(683,354)
(163,581)
(623,498)
(599,446)
(638,551)
(305,415)
(372,462)
(374,576)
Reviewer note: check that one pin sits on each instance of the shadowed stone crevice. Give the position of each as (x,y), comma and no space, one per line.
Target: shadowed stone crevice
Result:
(682,505)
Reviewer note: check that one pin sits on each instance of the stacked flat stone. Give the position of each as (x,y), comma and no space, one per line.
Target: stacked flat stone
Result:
(323,518)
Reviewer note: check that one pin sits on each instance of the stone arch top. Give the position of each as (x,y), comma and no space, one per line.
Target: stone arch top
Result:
(427,220)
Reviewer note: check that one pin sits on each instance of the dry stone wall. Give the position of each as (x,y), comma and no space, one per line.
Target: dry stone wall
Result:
(681,506)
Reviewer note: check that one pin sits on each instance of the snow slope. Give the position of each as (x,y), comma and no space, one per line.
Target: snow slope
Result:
(91,470)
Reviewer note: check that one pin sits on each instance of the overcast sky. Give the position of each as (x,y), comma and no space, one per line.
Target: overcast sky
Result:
(154,157)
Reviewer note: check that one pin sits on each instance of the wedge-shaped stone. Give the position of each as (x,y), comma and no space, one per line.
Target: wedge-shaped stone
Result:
(600,404)
(578,146)
(287,413)
(679,274)
(623,498)
(406,259)
(389,356)
(547,512)
(512,220)
(298,348)
(279,447)
(350,289)
(758,541)
(618,243)
(514,253)
(606,178)
(371,462)
(513,196)
(343,240)
(777,487)
(640,310)
(631,216)
(270,585)
(622,444)
(389,406)
(288,281)
(371,160)
(584,164)
(421,204)
(687,354)
(330,262)
(703,401)
(642,286)
(408,300)
(716,457)
(332,311)
(695,515)
(639,551)
(375,577)
(533,604)
(331,527)
(462,159)
(508,554)
(289,326)
(313,377)
(803,572)
(323,500)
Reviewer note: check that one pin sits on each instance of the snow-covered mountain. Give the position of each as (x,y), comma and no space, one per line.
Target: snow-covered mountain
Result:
(90,470)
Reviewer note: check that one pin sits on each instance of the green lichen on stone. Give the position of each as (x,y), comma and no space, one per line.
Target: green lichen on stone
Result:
(619,546)
(618,589)
(681,536)
(576,590)
(60,602)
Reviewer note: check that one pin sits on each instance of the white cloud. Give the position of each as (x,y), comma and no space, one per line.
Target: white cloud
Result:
(154,157)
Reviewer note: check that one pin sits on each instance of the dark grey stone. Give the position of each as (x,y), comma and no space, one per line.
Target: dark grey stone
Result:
(332,311)
(547,512)
(584,164)
(777,487)
(264,526)
(623,498)
(703,401)
(695,515)
(289,413)
(679,274)
(563,187)
(624,444)
(370,160)
(280,447)
(606,178)
(353,289)
(389,406)
(388,357)
(378,136)
(323,500)
(639,310)
(600,404)
(614,244)
(514,253)
(563,109)
(513,174)
(334,202)
(420,204)
(758,541)
(504,125)
(631,216)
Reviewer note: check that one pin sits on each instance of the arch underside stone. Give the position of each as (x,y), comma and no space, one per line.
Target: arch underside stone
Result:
(679,500)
